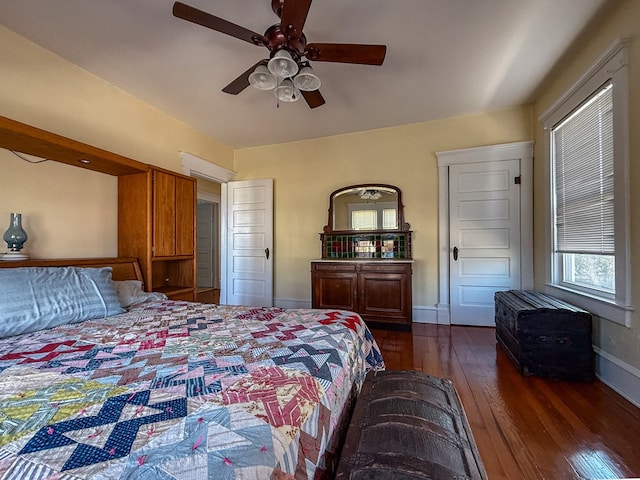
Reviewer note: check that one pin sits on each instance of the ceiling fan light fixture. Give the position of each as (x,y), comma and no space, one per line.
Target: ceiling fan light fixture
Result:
(306,80)
(287,92)
(370,194)
(262,79)
(282,64)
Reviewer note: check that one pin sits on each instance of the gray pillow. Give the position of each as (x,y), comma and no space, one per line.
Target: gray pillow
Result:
(35,298)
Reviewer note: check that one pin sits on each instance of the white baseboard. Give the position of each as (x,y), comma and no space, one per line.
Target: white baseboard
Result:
(424,314)
(444,314)
(619,375)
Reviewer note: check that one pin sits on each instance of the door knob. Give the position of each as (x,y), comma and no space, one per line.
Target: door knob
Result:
(266,253)
(455,253)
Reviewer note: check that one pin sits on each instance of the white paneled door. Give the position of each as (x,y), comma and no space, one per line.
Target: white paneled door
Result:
(249,262)
(485,243)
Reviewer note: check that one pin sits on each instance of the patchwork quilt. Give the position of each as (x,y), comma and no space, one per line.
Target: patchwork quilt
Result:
(179,390)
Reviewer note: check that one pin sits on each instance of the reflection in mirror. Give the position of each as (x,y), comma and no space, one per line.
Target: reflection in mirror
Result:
(366,221)
(365,208)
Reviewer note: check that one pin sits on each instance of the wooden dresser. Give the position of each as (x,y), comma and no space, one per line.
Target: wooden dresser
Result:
(379,290)
(366,261)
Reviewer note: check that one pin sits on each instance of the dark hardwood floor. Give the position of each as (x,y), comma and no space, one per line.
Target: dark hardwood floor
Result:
(525,427)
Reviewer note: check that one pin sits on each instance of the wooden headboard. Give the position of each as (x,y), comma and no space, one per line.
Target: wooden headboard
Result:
(123,268)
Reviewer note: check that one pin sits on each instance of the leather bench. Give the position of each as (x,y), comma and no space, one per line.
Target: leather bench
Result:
(409,425)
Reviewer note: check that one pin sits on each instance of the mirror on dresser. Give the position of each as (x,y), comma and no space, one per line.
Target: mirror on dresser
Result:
(366,264)
(366,221)
(366,207)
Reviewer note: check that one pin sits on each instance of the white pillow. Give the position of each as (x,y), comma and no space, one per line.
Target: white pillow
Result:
(130,293)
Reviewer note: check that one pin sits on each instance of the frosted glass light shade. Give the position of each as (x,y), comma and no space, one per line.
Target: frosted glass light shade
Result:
(282,64)
(306,80)
(287,92)
(262,79)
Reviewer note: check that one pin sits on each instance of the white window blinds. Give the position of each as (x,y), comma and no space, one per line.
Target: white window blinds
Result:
(583,175)
(389,219)
(364,220)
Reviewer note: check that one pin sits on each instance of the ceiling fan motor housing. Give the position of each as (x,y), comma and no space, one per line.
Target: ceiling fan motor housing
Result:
(276,39)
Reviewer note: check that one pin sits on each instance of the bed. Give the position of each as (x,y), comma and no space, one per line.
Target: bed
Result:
(177,390)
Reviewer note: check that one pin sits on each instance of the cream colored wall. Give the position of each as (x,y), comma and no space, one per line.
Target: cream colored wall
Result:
(67,212)
(71,212)
(621,342)
(208,186)
(305,173)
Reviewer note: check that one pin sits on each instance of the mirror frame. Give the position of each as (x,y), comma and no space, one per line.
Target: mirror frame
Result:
(402,226)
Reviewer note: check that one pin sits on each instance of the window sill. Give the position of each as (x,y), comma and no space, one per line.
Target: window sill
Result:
(606,309)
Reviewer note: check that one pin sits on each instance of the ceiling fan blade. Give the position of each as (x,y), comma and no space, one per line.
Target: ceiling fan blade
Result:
(242,82)
(314,99)
(218,24)
(294,14)
(346,53)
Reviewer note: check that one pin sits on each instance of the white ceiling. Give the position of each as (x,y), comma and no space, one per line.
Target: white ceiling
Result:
(444,58)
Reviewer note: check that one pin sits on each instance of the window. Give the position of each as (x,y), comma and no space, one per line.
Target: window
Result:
(372,216)
(364,220)
(587,138)
(389,218)
(582,164)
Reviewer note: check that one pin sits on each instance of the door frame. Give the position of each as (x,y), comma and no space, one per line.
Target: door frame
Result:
(195,166)
(215,200)
(522,151)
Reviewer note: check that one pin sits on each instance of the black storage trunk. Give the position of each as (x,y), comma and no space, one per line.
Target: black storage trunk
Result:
(409,426)
(545,336)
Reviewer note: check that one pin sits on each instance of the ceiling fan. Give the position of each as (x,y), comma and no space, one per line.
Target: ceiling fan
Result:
(288,66)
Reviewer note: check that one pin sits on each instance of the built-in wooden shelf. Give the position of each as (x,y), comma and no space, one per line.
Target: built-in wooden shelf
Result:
(172,290)
(156,207)
(24,138)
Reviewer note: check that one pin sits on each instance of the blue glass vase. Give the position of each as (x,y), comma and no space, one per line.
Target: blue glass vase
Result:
(15,236)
